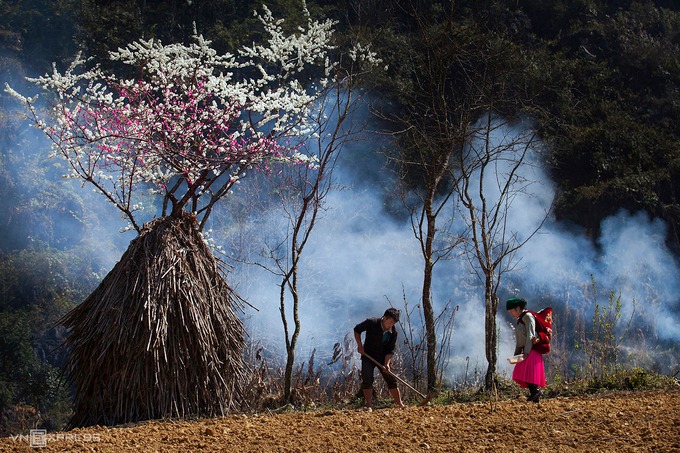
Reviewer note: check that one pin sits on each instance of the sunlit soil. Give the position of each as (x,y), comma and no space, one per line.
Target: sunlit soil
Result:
(617,421)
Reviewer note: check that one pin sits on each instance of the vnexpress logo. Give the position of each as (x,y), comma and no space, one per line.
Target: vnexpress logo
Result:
(38,438)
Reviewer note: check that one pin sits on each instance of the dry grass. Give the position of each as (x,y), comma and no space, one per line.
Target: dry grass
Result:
(160,336)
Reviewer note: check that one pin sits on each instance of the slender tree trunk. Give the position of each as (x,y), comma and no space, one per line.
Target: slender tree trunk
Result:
(491,307)
(428,310)
(428,313)
(291,342)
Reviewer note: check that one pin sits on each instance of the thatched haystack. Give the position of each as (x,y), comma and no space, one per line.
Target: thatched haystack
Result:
(160,336)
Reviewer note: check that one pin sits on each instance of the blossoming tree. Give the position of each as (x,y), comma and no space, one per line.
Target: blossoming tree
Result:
(159,337)
(190,125)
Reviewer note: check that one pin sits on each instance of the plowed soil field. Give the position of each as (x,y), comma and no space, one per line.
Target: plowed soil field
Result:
(620,422)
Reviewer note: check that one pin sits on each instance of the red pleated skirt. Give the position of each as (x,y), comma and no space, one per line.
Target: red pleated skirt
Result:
(530,371)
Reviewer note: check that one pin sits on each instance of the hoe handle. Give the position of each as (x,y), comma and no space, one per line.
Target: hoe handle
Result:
(382,367)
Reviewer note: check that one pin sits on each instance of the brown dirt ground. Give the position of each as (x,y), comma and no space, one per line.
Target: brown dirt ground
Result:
(618,421)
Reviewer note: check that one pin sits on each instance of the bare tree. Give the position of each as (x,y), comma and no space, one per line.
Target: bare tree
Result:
(425,204)
(492,175)
(458,72)
(304,190)
(314,186)
(429,125)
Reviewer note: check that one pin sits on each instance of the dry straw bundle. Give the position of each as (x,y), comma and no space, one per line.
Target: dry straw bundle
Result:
(160,336)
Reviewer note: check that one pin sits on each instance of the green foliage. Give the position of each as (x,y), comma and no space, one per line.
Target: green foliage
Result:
(601,344)
(612,145)
(37,31)
(632,379)
(47,281)
(603,340)
(103,26)
(24,379)
(38,288)
(605,365)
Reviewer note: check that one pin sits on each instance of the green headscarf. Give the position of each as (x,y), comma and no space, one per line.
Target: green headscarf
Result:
(515,302)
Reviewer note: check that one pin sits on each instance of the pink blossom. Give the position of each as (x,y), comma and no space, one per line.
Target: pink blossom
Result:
(186,117)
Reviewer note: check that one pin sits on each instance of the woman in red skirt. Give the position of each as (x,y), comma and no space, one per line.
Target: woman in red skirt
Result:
(530,372)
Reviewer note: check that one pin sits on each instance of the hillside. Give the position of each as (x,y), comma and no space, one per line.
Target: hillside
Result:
(621,421)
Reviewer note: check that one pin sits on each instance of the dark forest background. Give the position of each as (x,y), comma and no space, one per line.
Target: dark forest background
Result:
(603,78)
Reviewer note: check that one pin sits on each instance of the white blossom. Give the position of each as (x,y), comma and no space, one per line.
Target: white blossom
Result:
(123,134)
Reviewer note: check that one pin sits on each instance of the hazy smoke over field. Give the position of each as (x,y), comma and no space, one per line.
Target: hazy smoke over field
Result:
(361,259)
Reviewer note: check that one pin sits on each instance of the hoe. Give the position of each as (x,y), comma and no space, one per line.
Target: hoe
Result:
(426,398)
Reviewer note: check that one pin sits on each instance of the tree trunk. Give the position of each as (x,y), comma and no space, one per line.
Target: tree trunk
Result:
(491,307)
(291,343)
(290,361)
(288,376)
(428,311)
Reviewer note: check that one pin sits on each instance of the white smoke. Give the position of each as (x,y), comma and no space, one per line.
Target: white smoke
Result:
(360,259)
